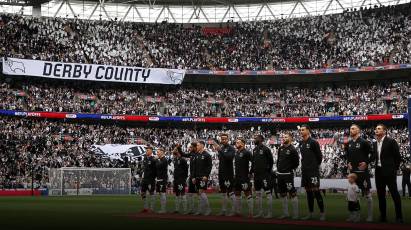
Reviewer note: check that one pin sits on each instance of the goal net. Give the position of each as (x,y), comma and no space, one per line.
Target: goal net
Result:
(89,181)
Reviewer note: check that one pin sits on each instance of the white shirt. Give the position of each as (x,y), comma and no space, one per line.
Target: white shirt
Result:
(352,192)
(379,147)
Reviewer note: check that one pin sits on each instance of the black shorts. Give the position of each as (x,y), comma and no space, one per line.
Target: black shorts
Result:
(242,185)
(353,206)
(363,181)
(263,183)
(191,187)
(148,185)
(179,188)
(201,184)
(310,181)
(226,185)
(286,183)
(161,186)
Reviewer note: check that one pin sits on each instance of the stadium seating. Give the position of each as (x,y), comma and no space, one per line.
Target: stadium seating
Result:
(352,39)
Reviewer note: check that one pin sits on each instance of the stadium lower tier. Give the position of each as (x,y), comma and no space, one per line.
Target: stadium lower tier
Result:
(29,147)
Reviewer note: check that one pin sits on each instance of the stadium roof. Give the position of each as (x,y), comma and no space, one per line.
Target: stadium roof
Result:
(192,2)
(155,2)
(185,11)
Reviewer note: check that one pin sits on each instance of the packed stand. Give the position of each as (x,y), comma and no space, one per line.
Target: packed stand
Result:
(57,96)
(30,147)
(355,38)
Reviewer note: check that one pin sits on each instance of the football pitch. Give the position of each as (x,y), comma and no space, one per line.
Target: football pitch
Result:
(122,212)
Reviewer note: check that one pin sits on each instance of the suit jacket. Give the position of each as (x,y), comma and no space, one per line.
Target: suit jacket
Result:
(390,156)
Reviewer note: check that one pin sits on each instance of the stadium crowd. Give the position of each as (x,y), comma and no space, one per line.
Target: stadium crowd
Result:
(30,147)
(355,38)
(83,97)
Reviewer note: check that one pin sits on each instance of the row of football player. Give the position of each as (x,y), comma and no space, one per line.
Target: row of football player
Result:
(235,181)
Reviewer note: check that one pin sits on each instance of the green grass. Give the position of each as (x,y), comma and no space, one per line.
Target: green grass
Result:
(110,212)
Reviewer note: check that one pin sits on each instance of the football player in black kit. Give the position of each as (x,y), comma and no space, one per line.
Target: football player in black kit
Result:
(311,158)
(148,180)
(203,165)
(242,177)
(359,154)
(180,178)
(262,165)
(225,155)
(161,179)
(288,160)
(192,190)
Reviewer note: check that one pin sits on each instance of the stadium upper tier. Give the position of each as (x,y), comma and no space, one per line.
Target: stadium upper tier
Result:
(367,37)
(90,97)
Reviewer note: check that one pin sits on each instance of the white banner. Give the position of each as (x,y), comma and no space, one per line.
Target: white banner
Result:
(118,152)
(92,72)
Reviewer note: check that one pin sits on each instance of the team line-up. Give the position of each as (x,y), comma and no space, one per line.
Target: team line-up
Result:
(239,167)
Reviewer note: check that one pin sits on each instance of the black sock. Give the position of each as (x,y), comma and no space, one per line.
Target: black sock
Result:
(320,201)
(310,200)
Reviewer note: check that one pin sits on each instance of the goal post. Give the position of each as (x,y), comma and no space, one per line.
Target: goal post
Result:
(72,181)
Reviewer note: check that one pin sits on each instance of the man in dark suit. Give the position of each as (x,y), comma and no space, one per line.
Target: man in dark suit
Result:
(387,163)
(406,182)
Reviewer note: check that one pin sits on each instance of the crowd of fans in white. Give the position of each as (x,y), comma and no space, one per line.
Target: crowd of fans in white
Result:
(355,38)
(390,97)
(30,147)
